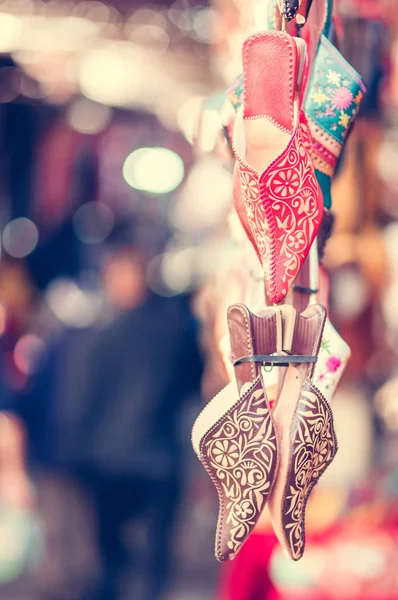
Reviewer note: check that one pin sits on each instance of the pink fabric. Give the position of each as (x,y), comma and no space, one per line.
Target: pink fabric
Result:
(247,577)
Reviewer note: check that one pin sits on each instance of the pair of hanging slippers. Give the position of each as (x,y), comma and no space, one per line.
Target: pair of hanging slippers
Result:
(256,455)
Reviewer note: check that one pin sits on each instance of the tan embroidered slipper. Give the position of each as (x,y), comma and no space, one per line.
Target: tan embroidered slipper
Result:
(304,426)
(234,436)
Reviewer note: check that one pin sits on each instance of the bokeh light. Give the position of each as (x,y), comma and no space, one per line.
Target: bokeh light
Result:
(93,222)
(204,25)
(73,306)
(154,170)
(209,130)
(87,116)
(107,77)
(20,237)
(2,319)
(150,35)
(32,88)
(28,353)
(95,10)
(350,294)
(177,270)
(202,206)
(188,117)
(183,269)
(11,29)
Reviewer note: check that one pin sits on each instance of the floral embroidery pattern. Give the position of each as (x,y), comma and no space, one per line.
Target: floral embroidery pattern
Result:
(235,92)
(338,88)
(325,345)
(319,98)
(333,364)
(314,447)
(329,112)
(342,98)
(283,212)
(225,453)
(240,455)
(287,183)
(358,97)
(333,77)
(332,360)
(249,186)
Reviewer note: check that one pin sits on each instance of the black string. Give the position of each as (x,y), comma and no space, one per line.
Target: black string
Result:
(277,360)
(301,289)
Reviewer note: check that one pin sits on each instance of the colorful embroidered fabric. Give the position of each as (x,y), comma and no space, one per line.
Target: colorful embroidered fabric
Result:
(331,105)
(235,92)
(332,360)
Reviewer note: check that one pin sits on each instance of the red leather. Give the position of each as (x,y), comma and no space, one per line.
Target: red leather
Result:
(248,576)
(284,209)
(240,208)
(269,70)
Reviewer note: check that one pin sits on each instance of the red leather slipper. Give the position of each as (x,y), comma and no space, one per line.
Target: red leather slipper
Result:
(278,200)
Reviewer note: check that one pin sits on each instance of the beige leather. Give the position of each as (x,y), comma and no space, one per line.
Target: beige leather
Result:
(305,432)
(212,412)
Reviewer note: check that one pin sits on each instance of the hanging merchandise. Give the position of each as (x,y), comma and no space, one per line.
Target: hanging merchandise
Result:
(279,200)
(267,438)
(332,99)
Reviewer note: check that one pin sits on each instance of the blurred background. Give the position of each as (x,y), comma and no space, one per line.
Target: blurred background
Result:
(113,234)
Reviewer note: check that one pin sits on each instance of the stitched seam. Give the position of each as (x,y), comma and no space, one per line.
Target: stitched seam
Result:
(322,152)
(269,215)
(205,408)
(242,162)
(322,166)
(317,131)
(270,120)
(229,411)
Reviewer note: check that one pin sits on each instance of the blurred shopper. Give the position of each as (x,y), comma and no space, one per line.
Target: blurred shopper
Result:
(139,372)
(106,410)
